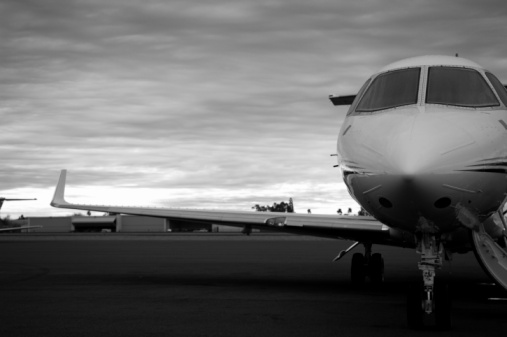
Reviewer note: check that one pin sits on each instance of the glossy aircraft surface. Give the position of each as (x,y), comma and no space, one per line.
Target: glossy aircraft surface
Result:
(413,160)
(422,149)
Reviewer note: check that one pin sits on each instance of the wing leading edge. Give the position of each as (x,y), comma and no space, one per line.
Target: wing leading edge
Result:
(358,228)
(10,229)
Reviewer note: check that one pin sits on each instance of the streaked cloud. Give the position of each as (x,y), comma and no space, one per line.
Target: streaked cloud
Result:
(215,103)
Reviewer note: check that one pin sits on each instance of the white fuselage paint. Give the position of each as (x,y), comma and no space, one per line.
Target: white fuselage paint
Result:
(414,167)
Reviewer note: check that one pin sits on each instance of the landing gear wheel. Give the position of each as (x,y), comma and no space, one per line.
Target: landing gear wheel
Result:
(358,270)
(415,312)
(442,307)
(376,268)
(441,315)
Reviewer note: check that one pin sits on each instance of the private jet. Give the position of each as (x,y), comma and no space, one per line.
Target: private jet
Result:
(422,150)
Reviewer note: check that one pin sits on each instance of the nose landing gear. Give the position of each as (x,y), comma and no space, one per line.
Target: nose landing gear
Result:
(429,302)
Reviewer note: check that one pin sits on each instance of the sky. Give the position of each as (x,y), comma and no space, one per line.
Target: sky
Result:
(211,104)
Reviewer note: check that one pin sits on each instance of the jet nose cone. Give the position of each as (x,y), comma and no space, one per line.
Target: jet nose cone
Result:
(406,159)
(427,146)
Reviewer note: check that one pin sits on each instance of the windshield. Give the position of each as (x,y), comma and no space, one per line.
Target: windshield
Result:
(358,96)
(460,87)
(390,90)
(500,89)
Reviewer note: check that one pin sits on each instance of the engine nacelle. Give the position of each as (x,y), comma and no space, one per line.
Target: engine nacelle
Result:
(489,243)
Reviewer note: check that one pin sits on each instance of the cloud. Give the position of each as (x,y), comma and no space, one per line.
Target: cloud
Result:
(215,103)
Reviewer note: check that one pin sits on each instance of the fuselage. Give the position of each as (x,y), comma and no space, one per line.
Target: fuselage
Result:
(424,140)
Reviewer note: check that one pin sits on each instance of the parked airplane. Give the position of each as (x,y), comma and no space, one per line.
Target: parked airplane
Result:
(422,149)
(10,229)
(6,199)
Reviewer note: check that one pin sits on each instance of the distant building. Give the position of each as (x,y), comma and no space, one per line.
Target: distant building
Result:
(121,223)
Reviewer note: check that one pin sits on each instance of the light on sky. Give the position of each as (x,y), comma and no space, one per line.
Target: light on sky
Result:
(201,104)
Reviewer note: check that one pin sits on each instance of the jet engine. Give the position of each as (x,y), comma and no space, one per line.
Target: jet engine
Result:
(489,243)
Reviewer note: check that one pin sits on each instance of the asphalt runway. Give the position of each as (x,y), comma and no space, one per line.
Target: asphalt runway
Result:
(216,285)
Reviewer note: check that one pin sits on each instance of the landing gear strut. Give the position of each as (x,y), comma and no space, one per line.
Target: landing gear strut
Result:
(429,301)
(367,265)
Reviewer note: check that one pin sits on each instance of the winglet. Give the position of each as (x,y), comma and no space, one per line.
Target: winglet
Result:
(59,196)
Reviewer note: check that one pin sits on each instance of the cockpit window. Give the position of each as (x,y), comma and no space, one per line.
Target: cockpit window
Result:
(500,89)
(390,90)
(358,97)
(460,87)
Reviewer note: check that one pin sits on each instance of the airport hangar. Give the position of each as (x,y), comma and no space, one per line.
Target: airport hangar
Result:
(120,223)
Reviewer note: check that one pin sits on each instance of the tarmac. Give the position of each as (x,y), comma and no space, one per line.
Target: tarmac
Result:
(113,284)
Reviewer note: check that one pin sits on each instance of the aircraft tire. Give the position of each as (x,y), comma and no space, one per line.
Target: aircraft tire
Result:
(442,307)
(376,268)
(415,312)
(357,269)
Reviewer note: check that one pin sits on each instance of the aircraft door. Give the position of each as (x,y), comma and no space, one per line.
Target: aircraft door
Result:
(490,244)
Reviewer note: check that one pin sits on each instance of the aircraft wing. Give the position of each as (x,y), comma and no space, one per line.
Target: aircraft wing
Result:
(357,228)
(10,199)
(10,229)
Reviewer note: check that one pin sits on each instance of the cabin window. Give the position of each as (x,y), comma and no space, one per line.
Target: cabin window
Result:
(500,89)
(459,87)
(391,90)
